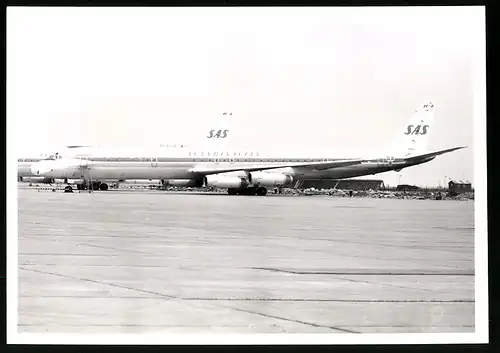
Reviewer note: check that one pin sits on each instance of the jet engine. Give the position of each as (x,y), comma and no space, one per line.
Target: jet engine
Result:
(221,181)
(269,179)
(183,182)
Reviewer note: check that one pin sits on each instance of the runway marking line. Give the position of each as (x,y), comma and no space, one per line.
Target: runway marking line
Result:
(365,273)
(354,301)
(180,298)
(293,320)
(99,282)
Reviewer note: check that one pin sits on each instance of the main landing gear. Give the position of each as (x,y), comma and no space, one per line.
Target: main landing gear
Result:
(95,185)
(261,191)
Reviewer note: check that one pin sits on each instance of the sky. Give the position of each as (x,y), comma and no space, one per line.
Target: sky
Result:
(318,79)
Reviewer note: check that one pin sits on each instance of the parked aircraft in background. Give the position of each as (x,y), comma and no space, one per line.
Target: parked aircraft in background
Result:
(217,136)
(24,163)
(247,172)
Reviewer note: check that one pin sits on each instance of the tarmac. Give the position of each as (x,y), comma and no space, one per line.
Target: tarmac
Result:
(163,262)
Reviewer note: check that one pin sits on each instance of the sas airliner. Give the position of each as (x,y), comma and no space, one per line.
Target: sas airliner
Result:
(24,163)
(241,172)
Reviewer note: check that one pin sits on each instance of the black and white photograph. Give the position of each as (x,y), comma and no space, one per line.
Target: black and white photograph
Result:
(246,175)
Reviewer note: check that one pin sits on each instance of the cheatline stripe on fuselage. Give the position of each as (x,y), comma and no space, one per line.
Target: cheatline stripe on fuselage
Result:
(226,159)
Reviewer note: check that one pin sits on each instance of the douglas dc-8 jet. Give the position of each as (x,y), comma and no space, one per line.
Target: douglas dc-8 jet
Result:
(241,172)
(24,163)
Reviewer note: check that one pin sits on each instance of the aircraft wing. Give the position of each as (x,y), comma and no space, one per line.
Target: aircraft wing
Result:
(432,154)
(313,165)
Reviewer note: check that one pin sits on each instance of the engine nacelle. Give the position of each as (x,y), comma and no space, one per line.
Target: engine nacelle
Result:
(183,182)
(269,179)
(221,181)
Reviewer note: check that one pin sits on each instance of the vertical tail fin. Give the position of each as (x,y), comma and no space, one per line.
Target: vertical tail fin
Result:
(414,137)
(218,133)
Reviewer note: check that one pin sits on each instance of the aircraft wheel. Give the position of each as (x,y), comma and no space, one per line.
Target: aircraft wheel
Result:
(247,191)
(261,191)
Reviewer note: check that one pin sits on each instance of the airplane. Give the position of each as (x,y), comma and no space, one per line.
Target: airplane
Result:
(24,163)
(244,172)
(216,137)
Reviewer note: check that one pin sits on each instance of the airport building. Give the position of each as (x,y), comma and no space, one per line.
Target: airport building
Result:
(406,187)
(459,186)
(342,184)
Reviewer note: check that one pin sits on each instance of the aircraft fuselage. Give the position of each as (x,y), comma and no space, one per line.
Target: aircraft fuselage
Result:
(179,168)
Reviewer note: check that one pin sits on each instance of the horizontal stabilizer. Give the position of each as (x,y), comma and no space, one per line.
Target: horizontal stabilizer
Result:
(431,154)
(312,165)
